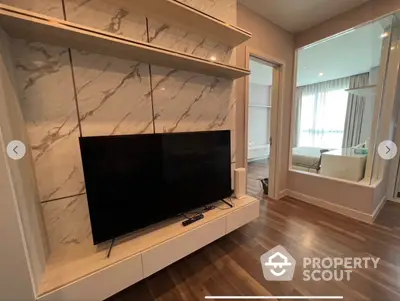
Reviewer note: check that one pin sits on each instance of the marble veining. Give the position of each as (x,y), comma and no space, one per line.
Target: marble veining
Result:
(179,39)
(68,227)
(113,95)
(185,101)
(224,10)
(52,8)
(108,16)
(47,102)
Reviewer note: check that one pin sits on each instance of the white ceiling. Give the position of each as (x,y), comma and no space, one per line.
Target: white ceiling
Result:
(348,54)
(298,15)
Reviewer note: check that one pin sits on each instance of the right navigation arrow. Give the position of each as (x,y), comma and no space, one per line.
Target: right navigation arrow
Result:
(388,149)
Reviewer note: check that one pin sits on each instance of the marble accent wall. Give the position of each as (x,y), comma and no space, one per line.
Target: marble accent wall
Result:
(104,15)
(52,8)
(68,93)
(47,101)
(113,95)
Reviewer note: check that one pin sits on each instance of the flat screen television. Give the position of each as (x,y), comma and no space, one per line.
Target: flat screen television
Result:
(133,181)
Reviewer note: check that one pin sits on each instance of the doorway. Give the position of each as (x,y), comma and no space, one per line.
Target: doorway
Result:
(262,93)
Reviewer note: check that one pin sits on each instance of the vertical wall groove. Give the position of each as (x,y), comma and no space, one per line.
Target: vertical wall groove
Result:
(73,75)
(75,93)
(151,81)
(64,11)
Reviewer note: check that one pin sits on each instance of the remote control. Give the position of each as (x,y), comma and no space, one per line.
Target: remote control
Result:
(192,219)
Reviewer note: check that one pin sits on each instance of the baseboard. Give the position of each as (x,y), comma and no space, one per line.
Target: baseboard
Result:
(378,209)
(361,216)
(282,193)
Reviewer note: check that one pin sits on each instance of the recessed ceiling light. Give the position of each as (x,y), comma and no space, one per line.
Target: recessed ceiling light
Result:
(384,35)
(213,58)
(320,74)
(392,48)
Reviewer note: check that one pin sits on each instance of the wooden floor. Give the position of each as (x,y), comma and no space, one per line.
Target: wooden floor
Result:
(256,170)
(231,265)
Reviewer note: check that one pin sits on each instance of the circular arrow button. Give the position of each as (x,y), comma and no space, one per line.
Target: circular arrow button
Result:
(16,149)
(387,150)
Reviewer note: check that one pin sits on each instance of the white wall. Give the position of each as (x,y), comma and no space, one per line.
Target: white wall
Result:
(278,45)
(15,278)
(15,273)
(22,171)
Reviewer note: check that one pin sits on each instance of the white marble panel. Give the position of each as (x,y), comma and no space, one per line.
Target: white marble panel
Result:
(222,9)
(47,101)
(185,101)
(52,8)
(68,227)
(107,16)
(177,38)
(113,95)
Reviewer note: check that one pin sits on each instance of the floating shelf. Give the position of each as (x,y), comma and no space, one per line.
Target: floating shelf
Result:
(183,15)
(363,91)
(65,271)
(30,26)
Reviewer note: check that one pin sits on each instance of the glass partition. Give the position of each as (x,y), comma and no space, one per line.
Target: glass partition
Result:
(337,107)
(384,142)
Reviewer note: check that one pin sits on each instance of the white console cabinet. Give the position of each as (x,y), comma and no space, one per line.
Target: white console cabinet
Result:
(95,277)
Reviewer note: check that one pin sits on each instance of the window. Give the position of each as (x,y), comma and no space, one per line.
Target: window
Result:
(322,119)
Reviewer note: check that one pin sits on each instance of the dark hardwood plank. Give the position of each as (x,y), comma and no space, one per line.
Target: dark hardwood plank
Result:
(231,265)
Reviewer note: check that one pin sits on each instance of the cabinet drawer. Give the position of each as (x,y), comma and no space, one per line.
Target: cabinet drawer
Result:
(162,255)
(242,216)
(101,284)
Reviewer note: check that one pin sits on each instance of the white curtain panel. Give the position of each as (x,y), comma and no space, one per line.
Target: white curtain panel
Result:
(321,114)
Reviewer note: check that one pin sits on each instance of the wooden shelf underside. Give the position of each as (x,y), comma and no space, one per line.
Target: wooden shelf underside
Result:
(177,13)
(35,27)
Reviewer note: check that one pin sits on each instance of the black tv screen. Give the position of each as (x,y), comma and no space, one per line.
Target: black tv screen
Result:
(133,181)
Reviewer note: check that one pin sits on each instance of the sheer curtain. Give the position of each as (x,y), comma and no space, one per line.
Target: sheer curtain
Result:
(355,112)
(321,114)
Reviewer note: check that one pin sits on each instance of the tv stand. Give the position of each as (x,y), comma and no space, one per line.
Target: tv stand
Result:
(229,204)
(138,255)
(111,246)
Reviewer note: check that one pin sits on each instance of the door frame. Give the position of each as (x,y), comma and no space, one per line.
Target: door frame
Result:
(276,103)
